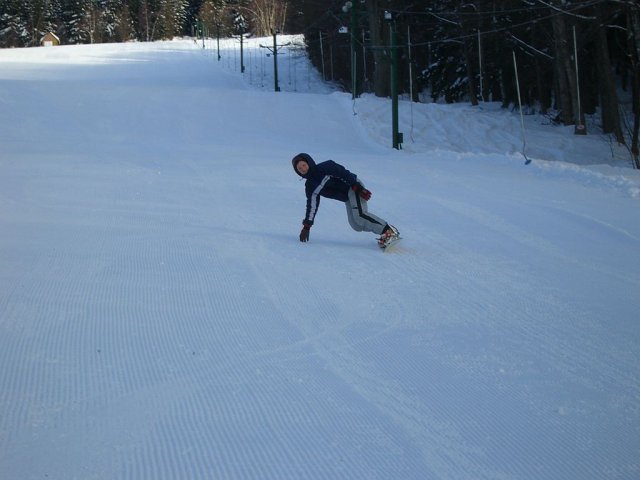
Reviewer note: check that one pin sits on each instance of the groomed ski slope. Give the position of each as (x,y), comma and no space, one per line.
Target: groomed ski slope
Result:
(159,318)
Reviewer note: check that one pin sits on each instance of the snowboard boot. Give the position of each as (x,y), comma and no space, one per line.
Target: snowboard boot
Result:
(389,234)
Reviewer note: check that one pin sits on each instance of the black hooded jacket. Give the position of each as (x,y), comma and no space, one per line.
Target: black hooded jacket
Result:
(326,179)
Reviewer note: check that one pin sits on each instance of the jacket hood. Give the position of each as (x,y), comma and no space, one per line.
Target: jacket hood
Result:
(307,158)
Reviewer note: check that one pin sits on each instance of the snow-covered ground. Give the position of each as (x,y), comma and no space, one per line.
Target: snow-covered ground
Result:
(159,318)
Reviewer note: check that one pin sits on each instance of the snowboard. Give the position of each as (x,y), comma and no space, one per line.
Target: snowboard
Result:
(391,245)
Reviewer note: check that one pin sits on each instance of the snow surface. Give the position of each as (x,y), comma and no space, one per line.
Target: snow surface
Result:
(159,318)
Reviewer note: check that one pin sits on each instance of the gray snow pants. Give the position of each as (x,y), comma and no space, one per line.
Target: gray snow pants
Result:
(359,218)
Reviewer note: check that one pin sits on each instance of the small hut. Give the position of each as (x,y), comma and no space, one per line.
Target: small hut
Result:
(49,40)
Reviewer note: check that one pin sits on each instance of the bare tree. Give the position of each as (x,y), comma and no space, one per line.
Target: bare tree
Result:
(267,16)
(148,20)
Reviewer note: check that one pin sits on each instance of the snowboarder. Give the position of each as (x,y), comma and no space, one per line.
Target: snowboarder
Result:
(331,180)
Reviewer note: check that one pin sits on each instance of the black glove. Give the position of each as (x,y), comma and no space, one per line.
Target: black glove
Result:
(363,192)
(304,233)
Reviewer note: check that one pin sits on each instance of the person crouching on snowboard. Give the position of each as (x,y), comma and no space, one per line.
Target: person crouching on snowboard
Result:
(331,180)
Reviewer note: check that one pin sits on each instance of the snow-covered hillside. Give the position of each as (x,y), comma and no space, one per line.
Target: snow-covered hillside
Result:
(159,318)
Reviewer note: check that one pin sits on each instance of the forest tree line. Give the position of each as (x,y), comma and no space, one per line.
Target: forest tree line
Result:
(574,57)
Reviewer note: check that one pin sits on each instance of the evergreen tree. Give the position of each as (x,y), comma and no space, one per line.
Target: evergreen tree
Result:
(124,24)
(172,18)
(148,15)
(75,26)
(111,18)
(462,50)
(14,31)
(42,19)
(215,15)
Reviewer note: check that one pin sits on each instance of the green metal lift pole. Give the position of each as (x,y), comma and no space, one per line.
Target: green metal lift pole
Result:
(354,25)
(397,136)
(241,52)
(275,60)
(218,39)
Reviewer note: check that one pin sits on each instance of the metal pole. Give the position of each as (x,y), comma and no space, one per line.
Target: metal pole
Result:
(322,57)
(480,65)
(524,139)
(218,39)
(397,136)
(241,53)
(275,61)
(364,58)
(410,79)
(580,128)
(354,82)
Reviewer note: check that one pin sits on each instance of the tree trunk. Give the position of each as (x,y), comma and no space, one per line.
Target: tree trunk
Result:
(634,34)
(381,56)
(504,97)
(635,148)
(608,97)
(565,75)
(468,56)
(543,91)
(471,79)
